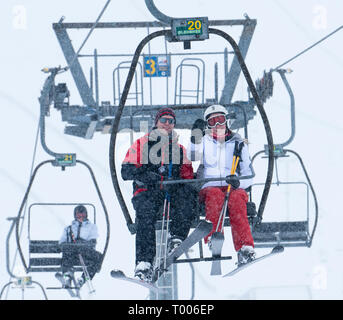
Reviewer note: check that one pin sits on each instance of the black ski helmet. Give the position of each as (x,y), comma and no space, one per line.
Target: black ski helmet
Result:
(80,208)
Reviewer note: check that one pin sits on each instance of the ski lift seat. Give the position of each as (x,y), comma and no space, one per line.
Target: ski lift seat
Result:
(287,234)
(46,256)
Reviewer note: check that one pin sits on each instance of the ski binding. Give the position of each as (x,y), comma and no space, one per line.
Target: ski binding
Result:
(275,250)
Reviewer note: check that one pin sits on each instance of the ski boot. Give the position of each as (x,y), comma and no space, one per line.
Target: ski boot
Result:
(81,281)
(245,255)
(173,243)
(144,271)
(67,278)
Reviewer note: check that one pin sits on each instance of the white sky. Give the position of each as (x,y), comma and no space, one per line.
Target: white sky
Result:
(284,28)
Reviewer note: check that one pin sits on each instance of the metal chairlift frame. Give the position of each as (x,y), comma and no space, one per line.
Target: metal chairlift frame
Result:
(115,127)
(287,233)
(22,282)
(136,92)
(46,248)
(100,115)
(197,90)
(61,160)
(122,104)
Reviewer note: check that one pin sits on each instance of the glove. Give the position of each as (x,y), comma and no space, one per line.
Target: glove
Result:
(163,170)
(233,181)
(198,131)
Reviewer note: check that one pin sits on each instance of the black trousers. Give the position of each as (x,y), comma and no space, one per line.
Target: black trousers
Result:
(91,258)
(147,204)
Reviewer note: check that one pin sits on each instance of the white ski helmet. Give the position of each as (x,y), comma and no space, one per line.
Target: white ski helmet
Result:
(215,108)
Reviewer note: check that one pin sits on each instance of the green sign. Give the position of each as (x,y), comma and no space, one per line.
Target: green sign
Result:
(68,159)
(189,29)
(192,27)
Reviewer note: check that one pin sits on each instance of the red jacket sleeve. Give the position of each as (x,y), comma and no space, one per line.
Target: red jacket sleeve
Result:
(134,154)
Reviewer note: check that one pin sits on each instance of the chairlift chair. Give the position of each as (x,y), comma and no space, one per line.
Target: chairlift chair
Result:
(46,255)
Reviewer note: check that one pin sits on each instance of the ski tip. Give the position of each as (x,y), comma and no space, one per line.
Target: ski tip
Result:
(117,273)
(230,274)
(278,249)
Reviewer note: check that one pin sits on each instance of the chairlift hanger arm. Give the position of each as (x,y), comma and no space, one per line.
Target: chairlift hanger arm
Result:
(45,100)
(165,19)
(26,197)
(115,127)
(21,210)
(282,73)
(13,223)
(157,13)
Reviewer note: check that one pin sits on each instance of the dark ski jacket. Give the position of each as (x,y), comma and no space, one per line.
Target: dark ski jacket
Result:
(154,158)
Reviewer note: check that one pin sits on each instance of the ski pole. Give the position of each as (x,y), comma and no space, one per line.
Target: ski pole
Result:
(223,210)
(167,230)
(165,221)
(84,267)
(87,276)
(170,167)
(234,166)
(159,258)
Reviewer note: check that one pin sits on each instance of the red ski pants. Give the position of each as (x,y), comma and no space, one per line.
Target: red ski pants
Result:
(213,197)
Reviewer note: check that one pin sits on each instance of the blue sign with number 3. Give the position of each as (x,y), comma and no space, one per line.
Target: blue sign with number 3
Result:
(157,66)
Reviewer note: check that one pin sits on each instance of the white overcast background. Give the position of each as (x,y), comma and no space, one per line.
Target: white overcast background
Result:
(284,28)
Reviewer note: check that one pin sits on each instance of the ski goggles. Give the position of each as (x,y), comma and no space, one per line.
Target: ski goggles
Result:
(212,122)
(167,120)
(80,215)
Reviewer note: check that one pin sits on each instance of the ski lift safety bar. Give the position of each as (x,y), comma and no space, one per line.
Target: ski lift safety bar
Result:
(204,180)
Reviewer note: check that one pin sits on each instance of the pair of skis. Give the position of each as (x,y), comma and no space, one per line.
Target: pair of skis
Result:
(59,276)
(217,238)
(217,241)
(276,250)
(74,290)
(197,235)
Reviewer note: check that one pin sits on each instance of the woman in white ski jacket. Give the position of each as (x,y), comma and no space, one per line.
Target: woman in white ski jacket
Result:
(214,148)
(83,234)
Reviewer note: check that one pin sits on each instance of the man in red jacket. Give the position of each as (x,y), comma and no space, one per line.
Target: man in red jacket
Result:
(152,159)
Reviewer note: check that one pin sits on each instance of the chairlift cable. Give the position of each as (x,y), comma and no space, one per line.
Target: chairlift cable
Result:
(310,47)
(88,35)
